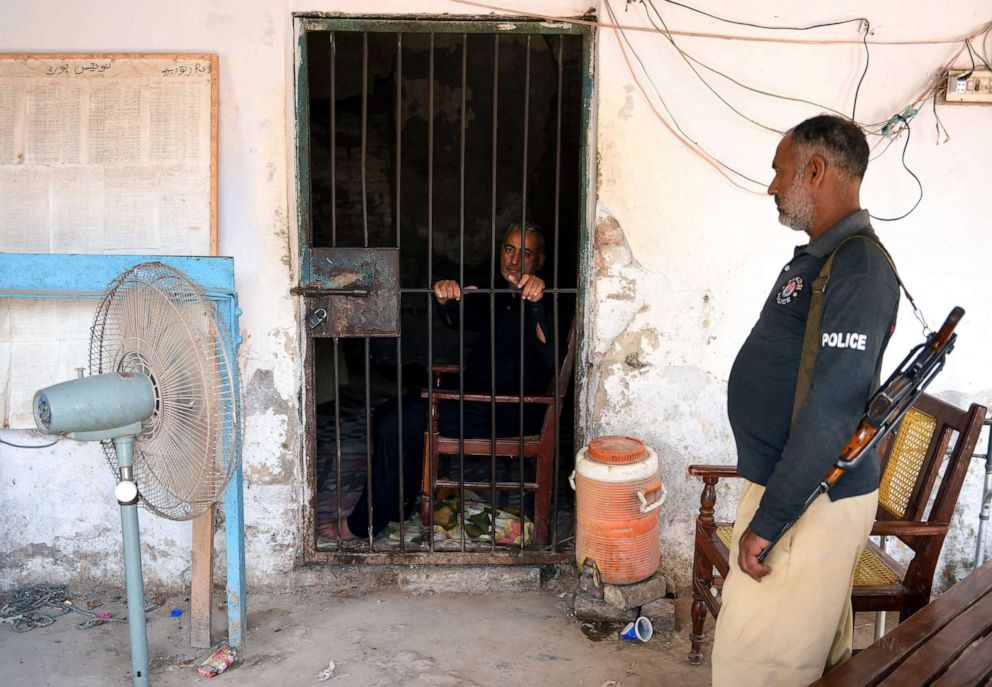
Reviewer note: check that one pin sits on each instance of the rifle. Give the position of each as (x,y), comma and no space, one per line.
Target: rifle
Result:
(886,408)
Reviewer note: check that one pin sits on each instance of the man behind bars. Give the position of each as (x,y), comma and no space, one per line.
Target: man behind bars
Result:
(521,256)
(787,621)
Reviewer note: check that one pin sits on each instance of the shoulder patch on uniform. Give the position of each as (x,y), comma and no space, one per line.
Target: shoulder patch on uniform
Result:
(789,291)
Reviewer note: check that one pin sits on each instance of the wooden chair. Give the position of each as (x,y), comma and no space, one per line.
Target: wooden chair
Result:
(911,459)
(540,447)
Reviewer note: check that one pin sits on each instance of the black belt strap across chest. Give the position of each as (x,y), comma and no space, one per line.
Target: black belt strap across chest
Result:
(811,335)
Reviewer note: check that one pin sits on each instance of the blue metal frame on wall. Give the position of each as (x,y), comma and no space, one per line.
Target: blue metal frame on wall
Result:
(37,275)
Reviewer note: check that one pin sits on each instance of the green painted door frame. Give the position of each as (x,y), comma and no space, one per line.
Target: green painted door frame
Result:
(305,24)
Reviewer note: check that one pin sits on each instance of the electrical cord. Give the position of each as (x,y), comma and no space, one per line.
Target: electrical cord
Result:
(919,183)
(971,56)
(763,26)
(857,91)
(974,53)
(684,137)
(8,443)
(863,21)
(502,9)
(668,35)
(871,129)
(930,92)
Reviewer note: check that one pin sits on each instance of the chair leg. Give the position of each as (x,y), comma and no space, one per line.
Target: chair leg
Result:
(542,500)
(696,637)
(702,569)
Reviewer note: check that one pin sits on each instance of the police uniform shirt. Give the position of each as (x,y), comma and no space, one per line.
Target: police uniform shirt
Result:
(861,299)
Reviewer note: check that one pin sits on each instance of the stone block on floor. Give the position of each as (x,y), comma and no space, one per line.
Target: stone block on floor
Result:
(469,580)
(627,596)
(661,613)
(593,610)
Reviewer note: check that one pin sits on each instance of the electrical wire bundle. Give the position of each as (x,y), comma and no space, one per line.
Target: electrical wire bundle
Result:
(887,131)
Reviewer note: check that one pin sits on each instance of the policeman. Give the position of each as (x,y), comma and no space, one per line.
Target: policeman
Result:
(788,620)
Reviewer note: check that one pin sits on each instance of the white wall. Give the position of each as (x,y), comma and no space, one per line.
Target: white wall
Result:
(701,254)
(68,530)
(684,268)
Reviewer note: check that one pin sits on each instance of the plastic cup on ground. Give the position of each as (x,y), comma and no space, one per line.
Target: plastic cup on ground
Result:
(640,630)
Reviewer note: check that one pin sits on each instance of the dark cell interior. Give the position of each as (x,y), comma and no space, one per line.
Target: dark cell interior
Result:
(443,206)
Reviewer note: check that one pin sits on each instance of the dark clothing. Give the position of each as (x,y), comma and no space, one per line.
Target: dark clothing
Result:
(538,357)
(477,417)
(861,300)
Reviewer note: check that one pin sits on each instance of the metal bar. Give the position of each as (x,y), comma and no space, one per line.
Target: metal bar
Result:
(234,538)
(554,297)
(587,209)
(134,583)
(337,441)
(399,130)
(492,298)
(368,443)
(334,143)
(477,291)
(399,339)
(523,245)
(461,285)
(430,283)
(304,177)
(986,510)
(317,292)
(883,544)
(389,24)
(365,122)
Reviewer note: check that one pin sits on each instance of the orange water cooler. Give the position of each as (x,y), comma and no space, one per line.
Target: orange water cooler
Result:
(617,497)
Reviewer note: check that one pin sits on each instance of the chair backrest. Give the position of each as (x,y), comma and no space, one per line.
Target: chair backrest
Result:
(910,468)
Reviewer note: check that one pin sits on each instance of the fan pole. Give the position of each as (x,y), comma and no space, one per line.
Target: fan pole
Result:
(127,497)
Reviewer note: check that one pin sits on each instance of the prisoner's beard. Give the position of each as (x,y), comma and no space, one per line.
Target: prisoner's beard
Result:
(796,209)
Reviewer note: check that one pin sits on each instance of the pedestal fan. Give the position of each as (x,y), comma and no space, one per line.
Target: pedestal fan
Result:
(163,397)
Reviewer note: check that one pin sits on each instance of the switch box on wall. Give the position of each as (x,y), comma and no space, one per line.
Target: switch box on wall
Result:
(972,86)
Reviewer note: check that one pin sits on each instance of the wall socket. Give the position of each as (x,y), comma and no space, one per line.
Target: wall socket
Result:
(975,88)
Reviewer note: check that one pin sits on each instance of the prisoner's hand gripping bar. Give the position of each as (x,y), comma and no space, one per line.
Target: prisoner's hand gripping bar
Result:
(886,408)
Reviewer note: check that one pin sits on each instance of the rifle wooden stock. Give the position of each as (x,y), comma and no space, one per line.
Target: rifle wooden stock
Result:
(947,329)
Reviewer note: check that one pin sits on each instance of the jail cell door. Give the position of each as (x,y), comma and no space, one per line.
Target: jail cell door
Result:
(440,426)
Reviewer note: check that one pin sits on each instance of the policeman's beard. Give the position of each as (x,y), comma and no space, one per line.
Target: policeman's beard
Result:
(796,209)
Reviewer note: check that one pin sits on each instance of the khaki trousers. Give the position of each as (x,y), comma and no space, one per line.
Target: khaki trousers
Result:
(796,624)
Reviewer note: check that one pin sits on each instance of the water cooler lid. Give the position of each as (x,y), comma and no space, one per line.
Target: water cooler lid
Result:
(616,450)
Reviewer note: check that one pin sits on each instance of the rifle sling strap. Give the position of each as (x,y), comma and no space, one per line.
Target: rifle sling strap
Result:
(811,335)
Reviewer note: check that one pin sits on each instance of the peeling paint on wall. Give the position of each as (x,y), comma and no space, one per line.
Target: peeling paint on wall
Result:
(645,336)
(271,434)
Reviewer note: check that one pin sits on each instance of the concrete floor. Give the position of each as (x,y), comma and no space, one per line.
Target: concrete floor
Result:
(387,638)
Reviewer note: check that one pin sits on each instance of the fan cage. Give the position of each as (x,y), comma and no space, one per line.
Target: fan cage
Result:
(154,321)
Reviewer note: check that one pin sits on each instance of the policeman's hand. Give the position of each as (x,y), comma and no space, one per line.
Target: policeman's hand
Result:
(747,556)
(531,286)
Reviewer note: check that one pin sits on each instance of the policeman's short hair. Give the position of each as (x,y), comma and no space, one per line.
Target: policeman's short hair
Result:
(529,228)
(837,139)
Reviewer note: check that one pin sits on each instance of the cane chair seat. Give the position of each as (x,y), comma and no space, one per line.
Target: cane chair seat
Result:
(870,571)
(917,495)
